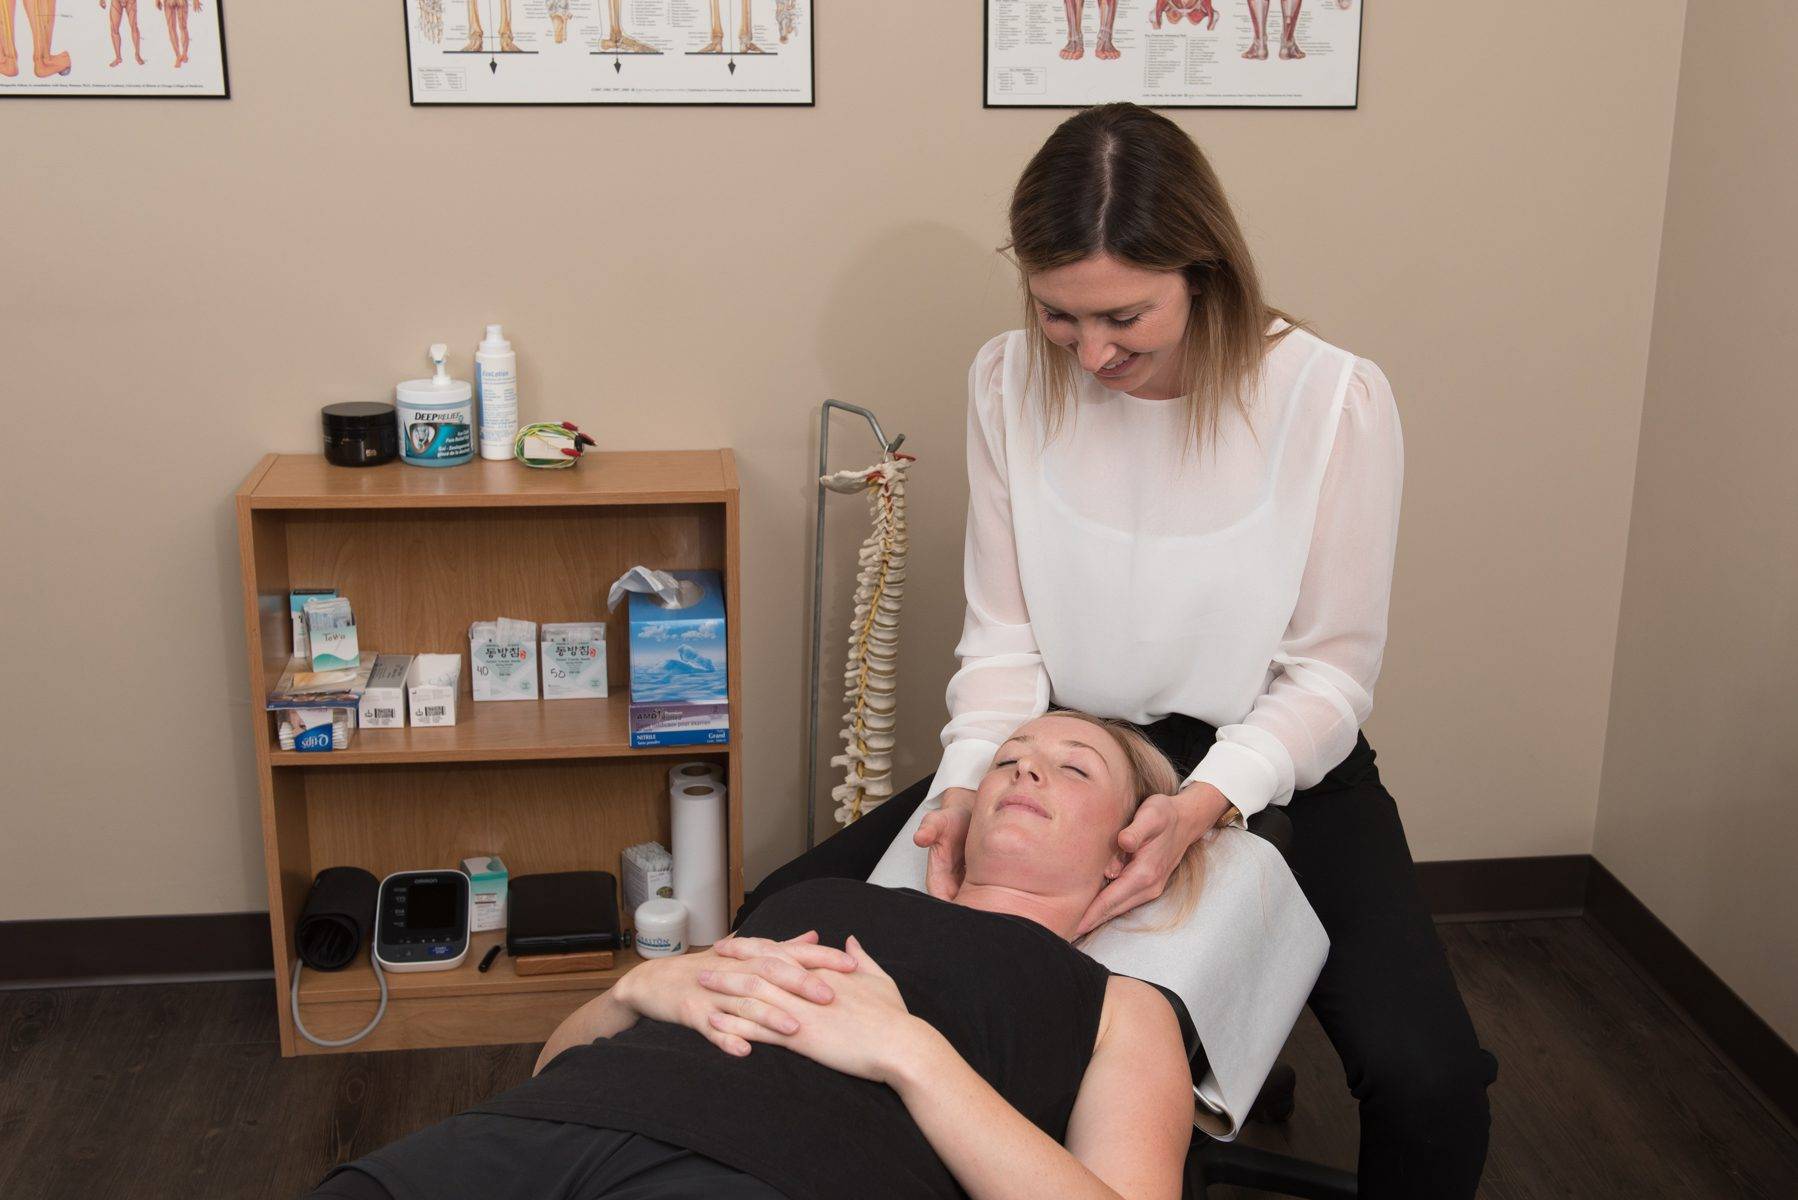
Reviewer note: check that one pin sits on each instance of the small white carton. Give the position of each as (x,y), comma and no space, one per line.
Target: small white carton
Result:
(487,879)
(383,703)
(432,685)
(648,874)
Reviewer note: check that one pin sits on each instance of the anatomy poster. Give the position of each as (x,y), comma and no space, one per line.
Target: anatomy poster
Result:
(1173,53)
(609,51)
(117,48)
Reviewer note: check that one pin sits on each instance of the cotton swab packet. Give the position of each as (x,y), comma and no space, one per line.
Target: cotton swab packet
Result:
(296,723)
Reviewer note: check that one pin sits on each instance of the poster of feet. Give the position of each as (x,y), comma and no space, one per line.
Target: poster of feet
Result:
(1173,53)
(610,51)
(112,48)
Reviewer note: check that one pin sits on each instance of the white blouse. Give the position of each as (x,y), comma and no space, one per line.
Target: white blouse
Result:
(1119,569)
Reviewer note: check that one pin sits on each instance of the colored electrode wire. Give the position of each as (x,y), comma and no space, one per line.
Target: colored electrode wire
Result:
(550,444)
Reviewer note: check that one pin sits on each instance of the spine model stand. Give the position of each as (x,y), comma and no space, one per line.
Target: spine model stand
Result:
(871,673)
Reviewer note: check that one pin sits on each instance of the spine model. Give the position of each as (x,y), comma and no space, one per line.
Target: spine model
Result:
(871,673)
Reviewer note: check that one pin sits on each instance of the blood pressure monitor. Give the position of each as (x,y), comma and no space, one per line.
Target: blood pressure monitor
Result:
(421,921)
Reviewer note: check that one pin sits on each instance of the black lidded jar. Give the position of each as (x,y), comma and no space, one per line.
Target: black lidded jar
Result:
(360,433)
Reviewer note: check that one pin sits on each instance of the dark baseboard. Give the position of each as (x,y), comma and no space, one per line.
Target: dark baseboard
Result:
(118,947)
(1747,1043)
(1505,888)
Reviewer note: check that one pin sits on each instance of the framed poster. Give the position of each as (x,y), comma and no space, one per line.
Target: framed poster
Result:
(113,49)
(609,51)
(1173,53)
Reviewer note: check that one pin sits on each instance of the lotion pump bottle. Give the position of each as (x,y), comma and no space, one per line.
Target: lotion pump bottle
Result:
(496,388)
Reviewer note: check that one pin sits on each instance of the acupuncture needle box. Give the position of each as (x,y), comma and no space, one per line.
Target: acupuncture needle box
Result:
(574,660)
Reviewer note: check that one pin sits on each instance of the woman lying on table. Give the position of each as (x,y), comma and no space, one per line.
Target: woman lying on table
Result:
(948,1048)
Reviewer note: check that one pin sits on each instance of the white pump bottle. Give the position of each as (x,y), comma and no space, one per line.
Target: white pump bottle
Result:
(496,388)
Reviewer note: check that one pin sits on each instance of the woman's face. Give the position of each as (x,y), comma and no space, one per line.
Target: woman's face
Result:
(1125,324)
(1049,810)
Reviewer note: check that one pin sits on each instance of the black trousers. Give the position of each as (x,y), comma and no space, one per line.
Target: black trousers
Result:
(484,1156)
(1386,997)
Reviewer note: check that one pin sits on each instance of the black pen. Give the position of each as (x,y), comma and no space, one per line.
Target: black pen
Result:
(492,953)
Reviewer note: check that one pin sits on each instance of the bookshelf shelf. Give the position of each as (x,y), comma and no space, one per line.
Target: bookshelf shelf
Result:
(500,732)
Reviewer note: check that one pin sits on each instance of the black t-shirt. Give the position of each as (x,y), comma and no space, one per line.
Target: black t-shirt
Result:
(1017,1002)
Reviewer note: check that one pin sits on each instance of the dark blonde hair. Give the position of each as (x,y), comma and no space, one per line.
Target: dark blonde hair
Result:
(1152,774)
(1122,180)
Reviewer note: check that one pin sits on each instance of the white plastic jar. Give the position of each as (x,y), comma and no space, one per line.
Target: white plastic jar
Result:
(436,417)
(661,928)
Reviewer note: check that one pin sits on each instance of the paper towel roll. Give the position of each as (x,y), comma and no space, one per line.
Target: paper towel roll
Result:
(699,821)
(695,772)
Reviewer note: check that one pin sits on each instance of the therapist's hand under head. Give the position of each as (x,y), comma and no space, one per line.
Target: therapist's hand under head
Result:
(1154,842)
(945,832)
(689,989)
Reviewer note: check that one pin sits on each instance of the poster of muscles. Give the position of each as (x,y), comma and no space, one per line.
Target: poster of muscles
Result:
(609,51)
(112,48)
(1173,53)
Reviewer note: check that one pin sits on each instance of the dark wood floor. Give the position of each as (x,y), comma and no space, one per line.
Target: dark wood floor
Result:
(178,1089)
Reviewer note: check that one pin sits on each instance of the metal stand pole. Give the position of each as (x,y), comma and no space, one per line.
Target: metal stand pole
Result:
(887,449)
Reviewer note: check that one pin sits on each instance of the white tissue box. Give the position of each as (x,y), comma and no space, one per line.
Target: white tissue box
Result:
(680,692)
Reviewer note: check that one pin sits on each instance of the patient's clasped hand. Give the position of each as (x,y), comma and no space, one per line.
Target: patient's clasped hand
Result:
(859,1040)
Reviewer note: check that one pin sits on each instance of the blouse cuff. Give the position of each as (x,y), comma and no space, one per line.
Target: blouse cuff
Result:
(1246,779)
(964,764)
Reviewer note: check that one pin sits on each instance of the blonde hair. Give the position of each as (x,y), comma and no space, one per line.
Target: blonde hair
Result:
(1122,180)
(1152,774)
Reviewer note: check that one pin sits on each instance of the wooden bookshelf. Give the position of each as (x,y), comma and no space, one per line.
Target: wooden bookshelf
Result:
(549,785)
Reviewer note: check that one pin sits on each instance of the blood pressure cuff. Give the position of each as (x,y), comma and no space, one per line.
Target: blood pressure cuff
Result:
(339,913)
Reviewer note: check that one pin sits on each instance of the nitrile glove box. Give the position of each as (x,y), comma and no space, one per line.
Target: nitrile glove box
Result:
(680,693)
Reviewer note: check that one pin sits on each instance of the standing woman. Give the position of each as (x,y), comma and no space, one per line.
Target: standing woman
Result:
(1182,512)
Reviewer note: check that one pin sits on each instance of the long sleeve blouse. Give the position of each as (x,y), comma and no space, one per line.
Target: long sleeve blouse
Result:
(1121,568)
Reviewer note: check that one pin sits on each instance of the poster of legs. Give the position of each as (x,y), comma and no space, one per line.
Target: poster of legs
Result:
(609,51)
(116,48)
(1173,53)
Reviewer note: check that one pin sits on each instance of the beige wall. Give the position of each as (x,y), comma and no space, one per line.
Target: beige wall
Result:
(186,283)
(1699,809)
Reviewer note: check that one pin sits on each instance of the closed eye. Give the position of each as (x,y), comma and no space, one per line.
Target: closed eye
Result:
(1076,770)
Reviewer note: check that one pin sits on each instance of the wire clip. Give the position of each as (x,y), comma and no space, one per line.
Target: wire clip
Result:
(550,444)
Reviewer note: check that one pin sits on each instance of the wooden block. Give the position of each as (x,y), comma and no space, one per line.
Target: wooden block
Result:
(561,964)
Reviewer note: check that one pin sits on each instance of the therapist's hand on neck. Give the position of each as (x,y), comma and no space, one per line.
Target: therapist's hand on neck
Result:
(945,833)
(1154,842)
